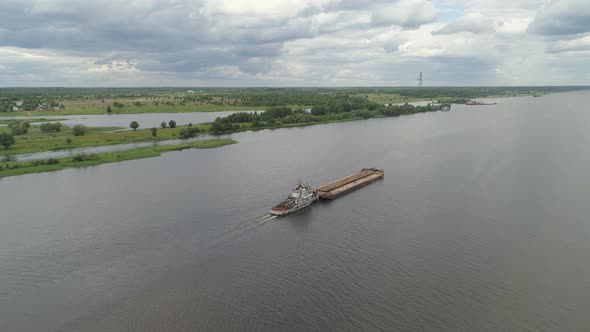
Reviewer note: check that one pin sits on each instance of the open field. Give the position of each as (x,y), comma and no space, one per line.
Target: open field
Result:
(389,98)
(74,107)
(81,101)
(19,168)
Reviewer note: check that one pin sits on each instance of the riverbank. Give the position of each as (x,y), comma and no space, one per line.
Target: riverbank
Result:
(35,120)
(36,141)
(10,168)
(132,109)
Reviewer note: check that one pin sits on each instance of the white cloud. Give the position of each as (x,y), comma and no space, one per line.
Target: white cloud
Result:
(292,42)
(114,66)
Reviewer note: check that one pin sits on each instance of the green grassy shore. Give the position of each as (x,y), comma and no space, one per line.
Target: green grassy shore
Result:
(12,168)
(37,141)
(3,122)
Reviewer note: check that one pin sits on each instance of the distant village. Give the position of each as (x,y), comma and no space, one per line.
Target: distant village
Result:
(9,105)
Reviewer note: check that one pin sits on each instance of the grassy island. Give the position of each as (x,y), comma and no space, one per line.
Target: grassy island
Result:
(37,141)
(11,168)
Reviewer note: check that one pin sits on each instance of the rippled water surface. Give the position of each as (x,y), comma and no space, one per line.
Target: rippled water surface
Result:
(481,223)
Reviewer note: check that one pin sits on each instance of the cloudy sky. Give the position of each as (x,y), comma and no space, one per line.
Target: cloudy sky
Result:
(293,42)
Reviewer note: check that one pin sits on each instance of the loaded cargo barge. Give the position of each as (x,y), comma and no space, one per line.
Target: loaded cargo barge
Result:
(349,183)
(303,195)
(478,103)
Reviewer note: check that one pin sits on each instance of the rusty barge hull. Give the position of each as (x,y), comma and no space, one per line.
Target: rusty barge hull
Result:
(349,183)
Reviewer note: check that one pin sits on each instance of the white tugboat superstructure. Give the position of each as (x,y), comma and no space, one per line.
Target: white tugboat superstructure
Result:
(302,196)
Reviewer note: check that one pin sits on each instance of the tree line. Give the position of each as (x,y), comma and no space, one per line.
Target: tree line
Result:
(334,110)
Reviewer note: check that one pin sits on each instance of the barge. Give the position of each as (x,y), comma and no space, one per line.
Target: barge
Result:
(478,103)
(349,183)
(303,195)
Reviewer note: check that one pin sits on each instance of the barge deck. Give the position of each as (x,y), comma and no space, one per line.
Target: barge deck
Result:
(349,183)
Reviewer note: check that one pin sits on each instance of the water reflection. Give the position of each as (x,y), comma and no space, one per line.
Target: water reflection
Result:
(146,120)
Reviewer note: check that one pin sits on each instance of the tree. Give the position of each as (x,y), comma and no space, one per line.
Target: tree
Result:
(7,140)
(49,127)
(69,140)
(256,123)
(19,127)
(80,130)
(134,125)
(154,131)
(216,127)
(109,110)
(188,132)
(163,124)
(172,124)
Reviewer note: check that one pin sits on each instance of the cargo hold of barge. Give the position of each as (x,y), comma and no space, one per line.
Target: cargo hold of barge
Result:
(349,183)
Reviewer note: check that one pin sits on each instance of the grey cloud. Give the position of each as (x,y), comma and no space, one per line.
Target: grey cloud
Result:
(258,50)
(564,17)
(438,70)
(407,14)
(158,34)
(461,70)
(476,24)
(576,45)
(185,61)
(164,37)
(86,26)
(391,47)
(155,42)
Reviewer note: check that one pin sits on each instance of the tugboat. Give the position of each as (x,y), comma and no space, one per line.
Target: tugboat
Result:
(302,196)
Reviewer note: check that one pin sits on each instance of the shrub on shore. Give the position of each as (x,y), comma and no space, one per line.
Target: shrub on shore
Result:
(84,156)
(80,130)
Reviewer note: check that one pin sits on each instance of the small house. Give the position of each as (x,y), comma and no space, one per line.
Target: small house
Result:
(44,106)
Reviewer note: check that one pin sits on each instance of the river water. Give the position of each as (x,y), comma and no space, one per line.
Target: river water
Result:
(147,120)
(106,148)
(481,223)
